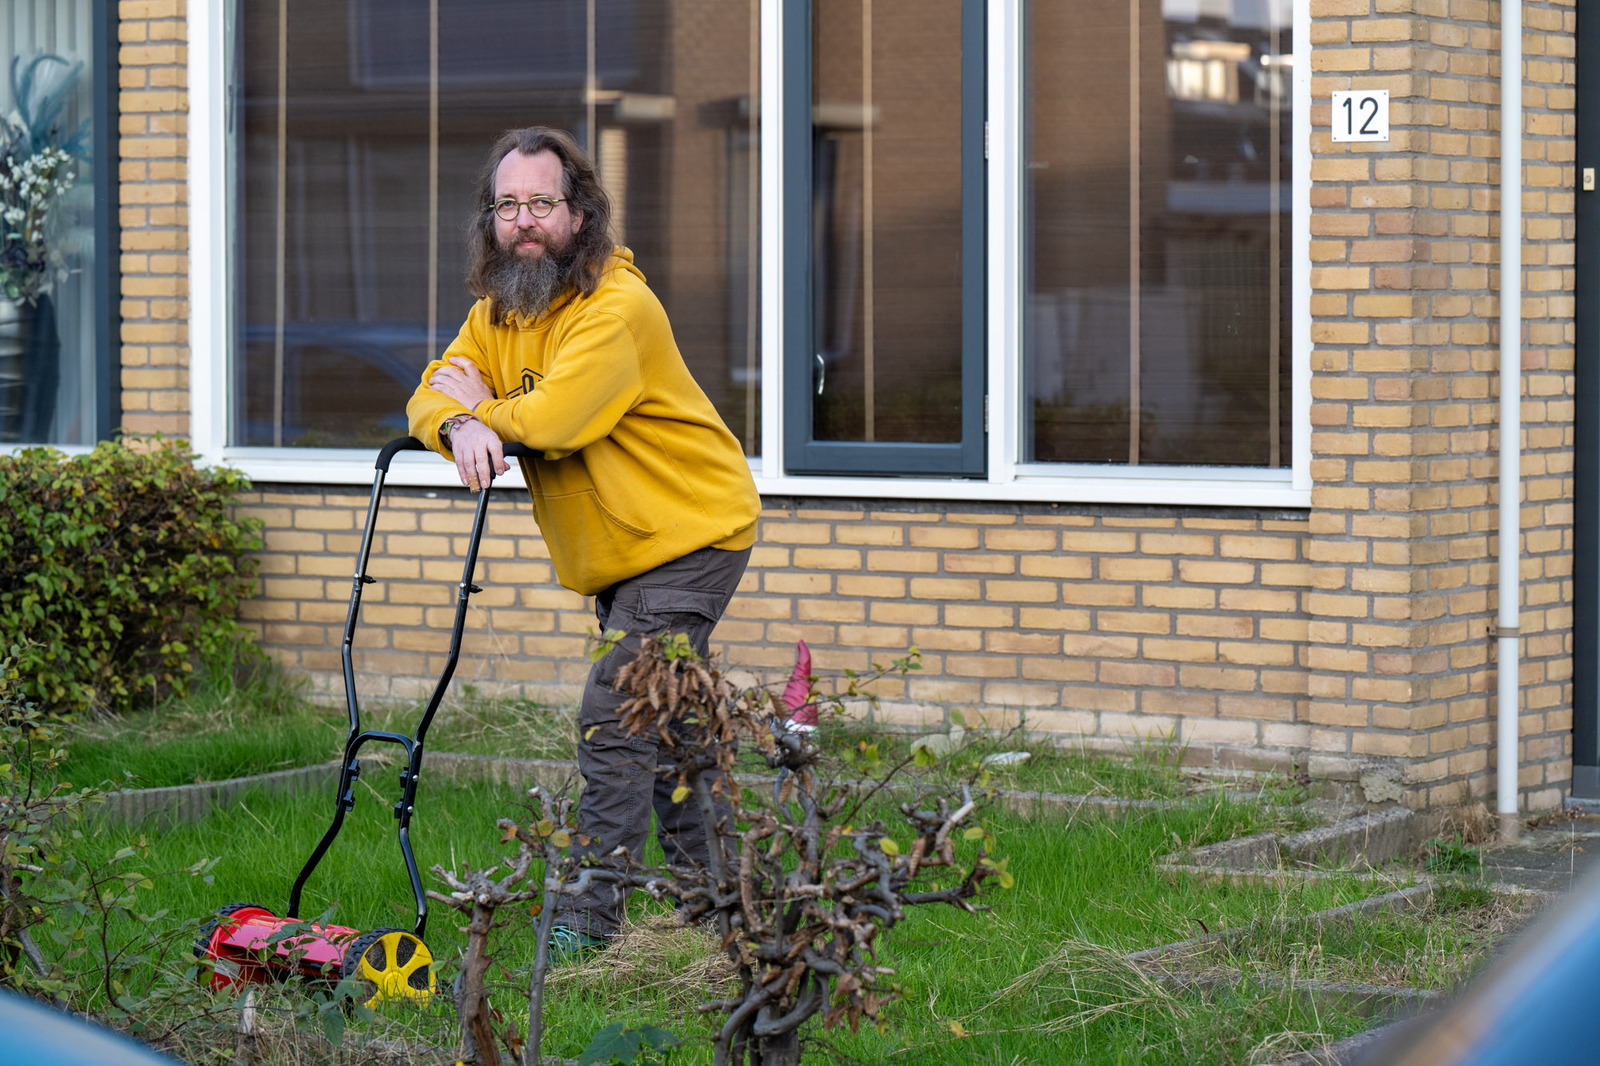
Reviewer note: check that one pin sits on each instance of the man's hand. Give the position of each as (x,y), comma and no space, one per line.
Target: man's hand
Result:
(479,456)
(459,379)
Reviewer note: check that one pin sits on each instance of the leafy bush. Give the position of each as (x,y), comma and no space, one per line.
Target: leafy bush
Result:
(72,931)
(120,569)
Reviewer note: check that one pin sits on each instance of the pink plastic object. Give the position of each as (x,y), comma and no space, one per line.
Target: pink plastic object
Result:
(239,944)
(800,695)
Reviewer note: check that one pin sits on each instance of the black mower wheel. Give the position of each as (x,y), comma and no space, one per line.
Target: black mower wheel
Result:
(389,963)
(203,942)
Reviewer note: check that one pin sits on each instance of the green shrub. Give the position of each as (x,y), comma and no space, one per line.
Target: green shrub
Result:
(119,570)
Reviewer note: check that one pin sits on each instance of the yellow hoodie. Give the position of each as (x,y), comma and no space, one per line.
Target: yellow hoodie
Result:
(638,469)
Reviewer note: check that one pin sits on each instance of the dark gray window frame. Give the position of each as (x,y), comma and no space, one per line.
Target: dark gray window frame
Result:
(802,454)
(107,233)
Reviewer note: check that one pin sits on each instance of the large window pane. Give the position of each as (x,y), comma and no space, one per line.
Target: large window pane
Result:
(887,220)
(50,344)
(1158,169)
(364,123)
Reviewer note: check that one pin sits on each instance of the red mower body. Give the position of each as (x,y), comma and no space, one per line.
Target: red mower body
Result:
(241,943)
(248,943)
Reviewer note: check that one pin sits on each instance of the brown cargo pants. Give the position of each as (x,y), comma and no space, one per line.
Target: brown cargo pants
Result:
(621,787)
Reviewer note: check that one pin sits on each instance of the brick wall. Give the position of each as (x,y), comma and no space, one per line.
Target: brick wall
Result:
(1403,544)
(1352,637)
(1098,624)
(153,217)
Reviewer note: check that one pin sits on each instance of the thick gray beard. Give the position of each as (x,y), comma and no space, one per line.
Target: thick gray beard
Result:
(528,287)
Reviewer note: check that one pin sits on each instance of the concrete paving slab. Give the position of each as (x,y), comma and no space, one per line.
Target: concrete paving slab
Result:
(1547,858)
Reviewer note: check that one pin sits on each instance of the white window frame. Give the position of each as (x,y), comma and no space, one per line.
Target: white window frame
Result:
(1008,479)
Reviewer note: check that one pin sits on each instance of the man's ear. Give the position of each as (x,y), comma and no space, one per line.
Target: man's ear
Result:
(577,222)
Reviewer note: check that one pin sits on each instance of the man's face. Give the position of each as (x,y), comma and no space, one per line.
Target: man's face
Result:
(522,177)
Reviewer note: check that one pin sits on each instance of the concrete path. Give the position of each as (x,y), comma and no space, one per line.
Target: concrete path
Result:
(1549,859)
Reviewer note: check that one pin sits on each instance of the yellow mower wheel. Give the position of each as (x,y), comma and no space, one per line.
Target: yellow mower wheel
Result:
(392,964)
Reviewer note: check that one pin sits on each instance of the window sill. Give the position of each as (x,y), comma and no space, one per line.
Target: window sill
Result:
(1196,486)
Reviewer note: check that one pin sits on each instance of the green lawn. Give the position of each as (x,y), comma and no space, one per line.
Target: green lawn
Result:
(1435,946)
(263,727)
(206,739)
(1037,980)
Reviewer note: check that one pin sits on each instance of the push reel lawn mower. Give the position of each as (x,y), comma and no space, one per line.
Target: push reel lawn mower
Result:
(248,942)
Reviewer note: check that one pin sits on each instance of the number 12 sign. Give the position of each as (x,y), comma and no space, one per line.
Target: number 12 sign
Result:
(1361,115)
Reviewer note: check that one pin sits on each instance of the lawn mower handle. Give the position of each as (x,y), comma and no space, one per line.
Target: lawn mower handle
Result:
(350,768)
(511,450)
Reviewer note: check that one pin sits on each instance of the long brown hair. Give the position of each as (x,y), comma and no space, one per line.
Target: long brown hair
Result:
(580,187)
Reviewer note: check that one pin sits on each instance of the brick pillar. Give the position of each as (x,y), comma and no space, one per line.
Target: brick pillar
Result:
(152,108)
(1406,304)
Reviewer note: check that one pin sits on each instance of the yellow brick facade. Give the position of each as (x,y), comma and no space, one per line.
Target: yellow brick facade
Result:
(152,106)
(1348,635)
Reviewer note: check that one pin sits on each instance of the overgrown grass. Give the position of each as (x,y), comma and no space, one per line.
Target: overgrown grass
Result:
(231,728)
(1037,980)
(1150,770)
(1434,947)
(235,722)
(235,728)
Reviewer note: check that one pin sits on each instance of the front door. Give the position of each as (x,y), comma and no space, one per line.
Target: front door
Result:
(1586,520)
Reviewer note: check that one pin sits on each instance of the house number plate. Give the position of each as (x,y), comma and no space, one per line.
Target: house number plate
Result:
(1361,115)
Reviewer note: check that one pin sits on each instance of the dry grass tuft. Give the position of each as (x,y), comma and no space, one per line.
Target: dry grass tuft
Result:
(488,725)
(1081,982)
(658,954)
(1472,823)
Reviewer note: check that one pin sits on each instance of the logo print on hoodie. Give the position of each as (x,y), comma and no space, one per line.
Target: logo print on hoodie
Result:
(530,381)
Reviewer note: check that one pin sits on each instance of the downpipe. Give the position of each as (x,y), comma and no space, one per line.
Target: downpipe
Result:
(1510,592)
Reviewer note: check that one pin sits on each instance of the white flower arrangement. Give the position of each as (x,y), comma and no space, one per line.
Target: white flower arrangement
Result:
(29,191)
(38,170)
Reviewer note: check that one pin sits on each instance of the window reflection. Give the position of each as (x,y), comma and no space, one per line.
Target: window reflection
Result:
(886,221)
(49,346)
(1158,163)
(361,141)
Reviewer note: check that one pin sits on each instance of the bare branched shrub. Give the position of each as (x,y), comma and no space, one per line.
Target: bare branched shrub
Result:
(801,888)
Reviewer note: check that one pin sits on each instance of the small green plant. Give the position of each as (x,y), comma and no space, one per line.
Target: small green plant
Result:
(120,570)
(1453,856)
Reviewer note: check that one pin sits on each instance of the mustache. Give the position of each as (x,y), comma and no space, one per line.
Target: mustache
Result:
(528,234)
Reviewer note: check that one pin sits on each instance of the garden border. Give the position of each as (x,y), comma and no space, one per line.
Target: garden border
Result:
(178,804)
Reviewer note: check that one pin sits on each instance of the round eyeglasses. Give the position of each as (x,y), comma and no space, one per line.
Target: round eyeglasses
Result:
(538,207)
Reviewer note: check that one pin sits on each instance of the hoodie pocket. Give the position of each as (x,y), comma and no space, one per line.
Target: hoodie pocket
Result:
(582,512)
(590,544)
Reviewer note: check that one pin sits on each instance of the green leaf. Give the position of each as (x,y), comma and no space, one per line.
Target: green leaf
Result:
(680,793)
(332,1022)
(889,846)
(614,1043)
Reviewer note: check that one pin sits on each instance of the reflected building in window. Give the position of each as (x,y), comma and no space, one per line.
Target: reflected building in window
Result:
(1158,164)
(363,128)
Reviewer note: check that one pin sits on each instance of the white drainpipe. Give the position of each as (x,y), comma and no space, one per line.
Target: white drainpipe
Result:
(1510,409)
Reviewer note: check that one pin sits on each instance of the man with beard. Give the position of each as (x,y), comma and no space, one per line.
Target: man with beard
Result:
(644,497)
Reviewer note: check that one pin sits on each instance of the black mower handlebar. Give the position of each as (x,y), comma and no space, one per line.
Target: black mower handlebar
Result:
(511,450)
